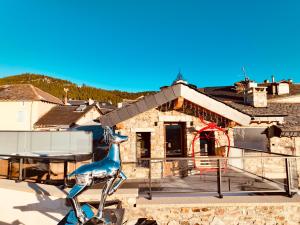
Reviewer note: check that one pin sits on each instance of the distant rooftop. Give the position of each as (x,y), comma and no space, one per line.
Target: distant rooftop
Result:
(64,115)
(231,96)
(77,102)
(26,92)
(104,107)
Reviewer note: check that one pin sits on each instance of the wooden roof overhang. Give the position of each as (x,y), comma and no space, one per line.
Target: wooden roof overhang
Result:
(190,108)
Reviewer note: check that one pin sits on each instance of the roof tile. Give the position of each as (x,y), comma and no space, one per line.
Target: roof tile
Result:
(26,92)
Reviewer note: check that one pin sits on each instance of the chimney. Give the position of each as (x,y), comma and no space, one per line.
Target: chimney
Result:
(66,96)
(91,101)
(120,105)
(66,100)
(257,97)
(283,88)
(251,84)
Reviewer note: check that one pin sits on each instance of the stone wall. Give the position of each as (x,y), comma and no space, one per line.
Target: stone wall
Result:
(288,146)
(285,145)
(268,166)
(288,214)
(153,121)
(261,165)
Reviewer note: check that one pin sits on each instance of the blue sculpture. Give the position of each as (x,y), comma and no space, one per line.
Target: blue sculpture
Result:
(107,170)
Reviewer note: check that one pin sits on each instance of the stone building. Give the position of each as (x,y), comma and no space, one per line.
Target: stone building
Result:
(163,125)
(279,116)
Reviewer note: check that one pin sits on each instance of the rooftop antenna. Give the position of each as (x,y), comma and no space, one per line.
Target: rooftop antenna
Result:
(244,86)
(245,74)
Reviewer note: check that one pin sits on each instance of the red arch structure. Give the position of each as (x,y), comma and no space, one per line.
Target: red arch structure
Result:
(212,127)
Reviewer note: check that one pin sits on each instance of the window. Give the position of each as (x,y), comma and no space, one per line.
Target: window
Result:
(21,116)
(143,147)
(175,139)
(250,137)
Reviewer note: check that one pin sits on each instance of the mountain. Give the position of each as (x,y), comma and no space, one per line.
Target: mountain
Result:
(56,87)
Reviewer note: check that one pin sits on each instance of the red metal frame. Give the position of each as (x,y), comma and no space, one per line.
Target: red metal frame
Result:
(213,127)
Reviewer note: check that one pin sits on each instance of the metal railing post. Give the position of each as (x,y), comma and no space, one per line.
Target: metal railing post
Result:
(21,160)
(243,155)
(9,172)
(219,174)
(66,172)
(288,177)
(262,166)
(150,181)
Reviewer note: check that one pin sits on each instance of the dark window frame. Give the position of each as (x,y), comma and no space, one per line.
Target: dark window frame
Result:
(143,135)
(183,143)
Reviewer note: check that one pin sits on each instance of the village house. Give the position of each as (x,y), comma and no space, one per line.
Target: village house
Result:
(23,105)
(35,122)
(163,125)
(27,108)
(277,111)
(83,117)
(64,117)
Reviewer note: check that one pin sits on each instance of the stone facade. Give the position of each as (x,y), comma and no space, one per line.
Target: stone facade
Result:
(285,145)
(259,214)
(288,146)
(261,165)
(153,121)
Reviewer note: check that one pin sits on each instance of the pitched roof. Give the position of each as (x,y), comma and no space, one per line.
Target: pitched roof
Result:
(291,127)
(25,92)
(169,94)
(64,115)
(104,107)
(229,93)
(290,111)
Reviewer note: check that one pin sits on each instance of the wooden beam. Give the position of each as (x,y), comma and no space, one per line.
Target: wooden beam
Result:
(178,103)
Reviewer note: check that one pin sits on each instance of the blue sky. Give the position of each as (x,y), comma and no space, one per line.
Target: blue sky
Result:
(140,45)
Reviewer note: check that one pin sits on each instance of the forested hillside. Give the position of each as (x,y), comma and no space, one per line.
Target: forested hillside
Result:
(56,87)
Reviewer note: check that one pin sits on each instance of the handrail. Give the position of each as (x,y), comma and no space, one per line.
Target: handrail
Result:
(286,184)
(217,157)
(52,157)
(259,150)
(209,158)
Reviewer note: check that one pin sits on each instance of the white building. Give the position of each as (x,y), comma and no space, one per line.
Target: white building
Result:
(22,105)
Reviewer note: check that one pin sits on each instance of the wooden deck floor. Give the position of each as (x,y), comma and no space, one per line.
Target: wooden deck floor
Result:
(233,181)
